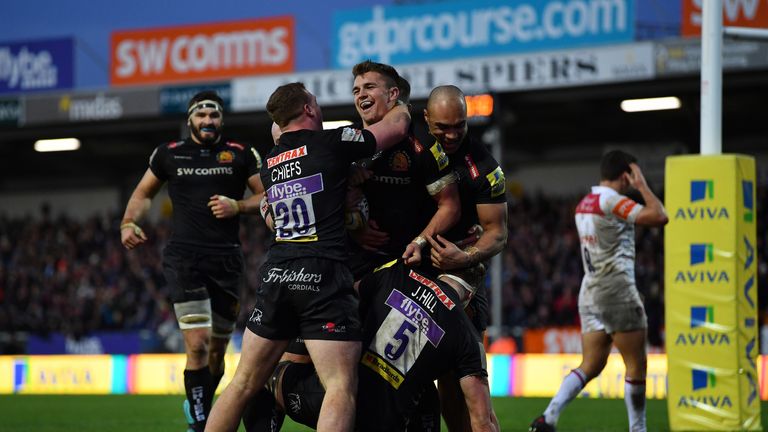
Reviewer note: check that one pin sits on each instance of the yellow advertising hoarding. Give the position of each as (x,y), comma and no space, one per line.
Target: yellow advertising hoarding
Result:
(164,373)
(710,293)
(58,374)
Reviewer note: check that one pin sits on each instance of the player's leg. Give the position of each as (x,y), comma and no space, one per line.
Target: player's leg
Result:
(630,339)
(336,365)
(595,346)
(224,279)
(331,330)
(192,306)
(257,361)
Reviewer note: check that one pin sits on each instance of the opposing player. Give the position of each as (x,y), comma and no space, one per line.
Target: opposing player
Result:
(414,332)
(610,307)
(203,263)
(306,288)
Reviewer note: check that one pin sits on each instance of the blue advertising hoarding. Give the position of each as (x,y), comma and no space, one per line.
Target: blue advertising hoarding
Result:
(36,65)
(409,34)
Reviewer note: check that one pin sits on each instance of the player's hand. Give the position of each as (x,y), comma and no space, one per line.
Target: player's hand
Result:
(131,235)
(371,237)
(447,256)
(636,178)
(223,207)
(358,175)
(412,254)
(473,235)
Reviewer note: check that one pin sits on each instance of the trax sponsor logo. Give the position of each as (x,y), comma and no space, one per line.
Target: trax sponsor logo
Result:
(416,315)
(100,107)
(286,156)
(704,394)
(206,51)
(702,254)
(704,332)
(473,171)
(702,192)
(749,203)
(293,188)
(447,302)
(204,171)
(276,274)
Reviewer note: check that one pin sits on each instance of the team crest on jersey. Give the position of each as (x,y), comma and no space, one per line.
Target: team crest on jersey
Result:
(225,156)
(497,181)
(439,154)
(352,134)
(400,161)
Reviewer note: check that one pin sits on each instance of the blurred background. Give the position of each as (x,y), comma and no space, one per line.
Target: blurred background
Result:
(553,74)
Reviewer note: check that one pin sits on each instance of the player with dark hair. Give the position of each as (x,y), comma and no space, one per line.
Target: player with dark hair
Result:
(306,288)
(203,262)
(411,192)
(413,332)
(610,307)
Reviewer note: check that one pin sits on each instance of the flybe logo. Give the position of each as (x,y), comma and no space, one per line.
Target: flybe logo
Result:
(702,193)
(702,253)
(704,395)
(703,332)
(749,203)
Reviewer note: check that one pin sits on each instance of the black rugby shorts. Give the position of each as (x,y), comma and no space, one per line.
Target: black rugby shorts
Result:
(192,275)
(311,298)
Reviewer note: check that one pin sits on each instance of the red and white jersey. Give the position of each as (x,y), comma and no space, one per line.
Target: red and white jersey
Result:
(605,221)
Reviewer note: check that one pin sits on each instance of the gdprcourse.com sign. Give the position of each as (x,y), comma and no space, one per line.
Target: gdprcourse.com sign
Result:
(407,34)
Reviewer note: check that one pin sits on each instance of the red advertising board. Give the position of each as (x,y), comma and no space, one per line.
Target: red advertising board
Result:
(739,13)
(202,52)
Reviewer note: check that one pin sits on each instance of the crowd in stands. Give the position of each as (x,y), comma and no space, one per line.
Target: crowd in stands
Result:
(74,277)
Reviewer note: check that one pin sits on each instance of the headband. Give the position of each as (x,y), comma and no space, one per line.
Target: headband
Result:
(205,104)
(470,289)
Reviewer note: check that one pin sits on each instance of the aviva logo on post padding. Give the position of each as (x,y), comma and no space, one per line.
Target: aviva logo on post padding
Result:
(704,393)
(703,331)
(749,202)
(702,268)
(702,207)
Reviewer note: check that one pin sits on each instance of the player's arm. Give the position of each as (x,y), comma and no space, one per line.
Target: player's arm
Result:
(393,128)
(225,207)
(131,234)
(653,214)
(493,219)
(478,399)
(447,214)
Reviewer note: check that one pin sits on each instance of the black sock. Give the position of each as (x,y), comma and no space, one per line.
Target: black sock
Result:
(262,414)
(197,383)
(215,380)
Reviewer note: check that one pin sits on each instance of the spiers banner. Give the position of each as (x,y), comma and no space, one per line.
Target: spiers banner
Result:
(711,293)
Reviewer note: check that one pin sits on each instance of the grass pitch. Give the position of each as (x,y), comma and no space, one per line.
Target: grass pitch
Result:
(130,413)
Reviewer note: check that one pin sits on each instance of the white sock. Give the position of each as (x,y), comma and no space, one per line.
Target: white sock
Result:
(569,389)
(634,398)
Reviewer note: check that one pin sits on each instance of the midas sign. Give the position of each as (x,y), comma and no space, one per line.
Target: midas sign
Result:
(202,52)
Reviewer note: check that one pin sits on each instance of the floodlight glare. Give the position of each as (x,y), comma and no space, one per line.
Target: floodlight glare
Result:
(650,104)
(61,144)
